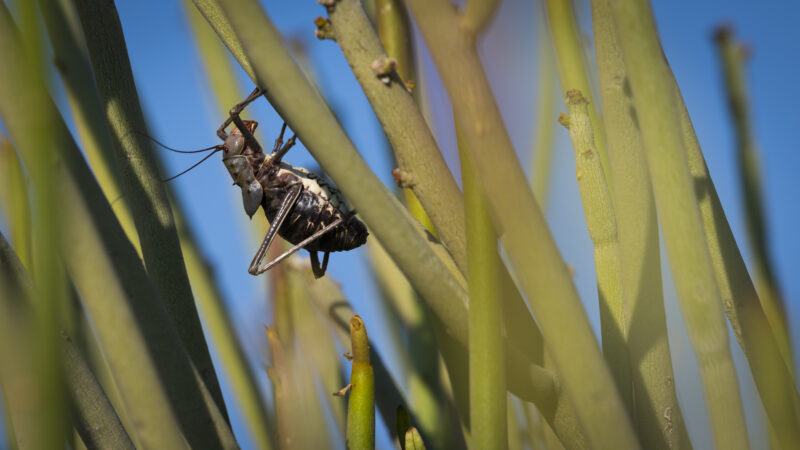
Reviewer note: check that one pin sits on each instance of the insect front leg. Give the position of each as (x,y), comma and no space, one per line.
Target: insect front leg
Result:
(287,205)
(234,117)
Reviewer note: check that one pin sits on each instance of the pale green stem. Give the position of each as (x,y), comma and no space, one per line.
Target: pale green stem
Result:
(535,260)
(427,265)
(571,64)
(602,226)
(331,303)
(487,387)
(50,297)
(545,115)
(361,403)
(418,157)
(733,57)
(770,370)
(114,287)
(645,327)
(142,183)
(15,203)
(679,216)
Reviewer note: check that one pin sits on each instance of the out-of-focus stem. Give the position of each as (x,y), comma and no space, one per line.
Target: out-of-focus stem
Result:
(487,387)
(532,253)
(545,115)
(599,212)
(637,230)
(420,161)
(14,198)
(142,183)
(771,373)
(361,403)
(733,57)
(679,216)
(572,70)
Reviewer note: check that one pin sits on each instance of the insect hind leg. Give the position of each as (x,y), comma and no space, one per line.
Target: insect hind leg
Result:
(316,268)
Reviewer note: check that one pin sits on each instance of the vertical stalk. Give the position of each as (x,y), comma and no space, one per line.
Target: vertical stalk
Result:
(771,373)
(599,212)
(487,387)
(142,184)
(572,70)
(15,202)
(361,403)
(645,326)
(545,112)
(733,56)
(679,215)
(49,299)
(532,253)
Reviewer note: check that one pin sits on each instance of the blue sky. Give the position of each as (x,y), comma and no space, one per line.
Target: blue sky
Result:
(182,113)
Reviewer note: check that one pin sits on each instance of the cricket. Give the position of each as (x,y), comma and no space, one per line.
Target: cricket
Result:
(300,206)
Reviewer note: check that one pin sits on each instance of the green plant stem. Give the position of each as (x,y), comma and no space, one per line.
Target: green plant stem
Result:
(414,146)
(74,69)
(394,30)
(602,226)
(771,373)
(14,197)
(114,287)
(329,300)
(361,403)
(680,219)
(215,58)
(433,275)
(487,388)
(98,423)
(95,418)
(733,57)
(572,70)
(49,299)
(545,112)
(141,182)
(532,253)
(645,325)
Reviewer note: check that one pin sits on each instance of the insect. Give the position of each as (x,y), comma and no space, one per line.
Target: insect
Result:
(301,207)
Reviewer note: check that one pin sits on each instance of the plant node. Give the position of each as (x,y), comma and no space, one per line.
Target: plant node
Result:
(383,68)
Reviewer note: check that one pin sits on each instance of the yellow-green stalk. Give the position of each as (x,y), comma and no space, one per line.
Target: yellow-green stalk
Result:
(545,111)
(421,163)
(602,226)
(771,372)
(394,31)
(15,202)
(533,256)
(733,57)
(679,216)
(63,28)
(487,387)
(637,230)
(361,402)
(572,70)
(114,288)
(49,300)
(142,183)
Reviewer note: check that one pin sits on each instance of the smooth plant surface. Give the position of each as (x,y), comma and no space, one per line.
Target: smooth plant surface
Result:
(552,261)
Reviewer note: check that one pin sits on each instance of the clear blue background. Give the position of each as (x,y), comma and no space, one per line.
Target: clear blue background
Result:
(182,113)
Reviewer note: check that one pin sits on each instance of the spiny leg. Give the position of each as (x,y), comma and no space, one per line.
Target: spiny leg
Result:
(280,217)
(305,242)
(234,117)
(316,268)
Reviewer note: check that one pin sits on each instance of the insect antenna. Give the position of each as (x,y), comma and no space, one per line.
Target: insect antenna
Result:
(216,149)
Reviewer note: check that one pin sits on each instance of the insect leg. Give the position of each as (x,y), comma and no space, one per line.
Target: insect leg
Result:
(234,117)
(283,212)
(305,242)
(278,154)
(316,268)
